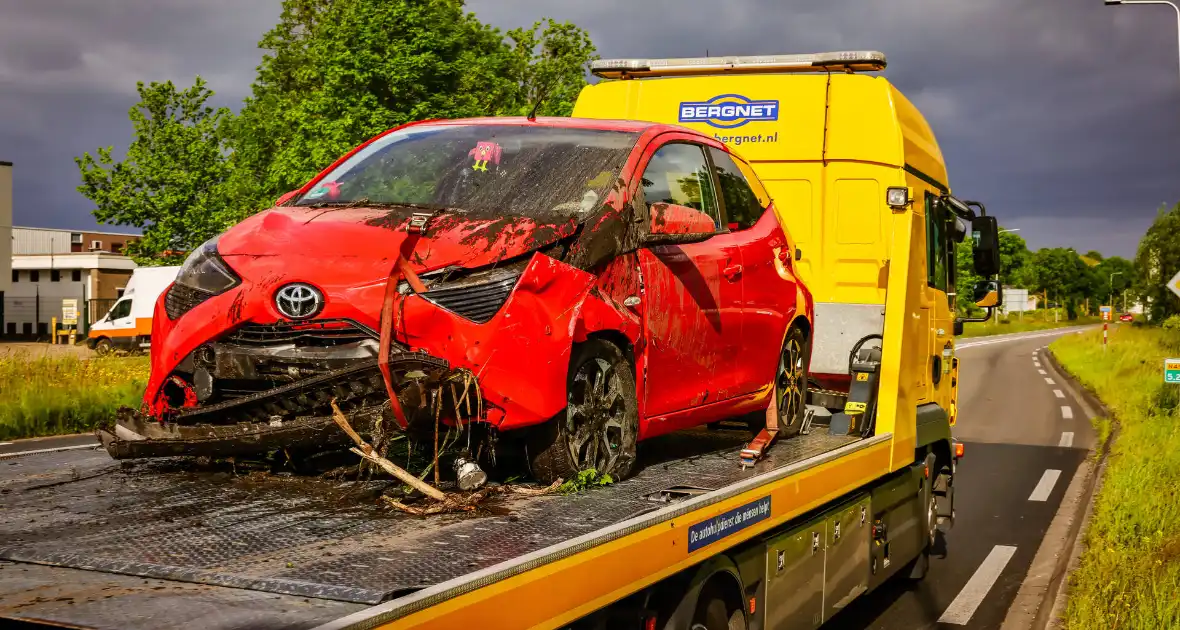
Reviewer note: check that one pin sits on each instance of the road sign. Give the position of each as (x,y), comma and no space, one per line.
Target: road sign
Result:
(1172,370)
(1105,313)
(1174,284)
(69,312)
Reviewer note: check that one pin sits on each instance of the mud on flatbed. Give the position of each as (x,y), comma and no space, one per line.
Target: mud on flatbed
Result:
(218,550)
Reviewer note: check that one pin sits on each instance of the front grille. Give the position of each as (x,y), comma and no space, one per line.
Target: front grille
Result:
(477,302)
(324,332)
(182,299)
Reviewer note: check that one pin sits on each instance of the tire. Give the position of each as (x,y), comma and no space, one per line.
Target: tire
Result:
(712,613)
(602,411)
(103,347)
(921,565)
(790,382)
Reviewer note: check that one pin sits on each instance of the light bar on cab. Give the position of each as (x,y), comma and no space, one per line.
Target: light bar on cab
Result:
(846,61)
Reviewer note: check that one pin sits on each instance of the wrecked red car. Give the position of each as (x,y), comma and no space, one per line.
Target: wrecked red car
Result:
(580,284)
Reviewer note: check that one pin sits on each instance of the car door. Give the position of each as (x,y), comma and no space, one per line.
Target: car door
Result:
(767,279)
(120,321)
(692,291)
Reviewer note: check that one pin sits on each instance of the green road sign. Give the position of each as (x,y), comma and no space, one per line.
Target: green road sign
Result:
(1172,371)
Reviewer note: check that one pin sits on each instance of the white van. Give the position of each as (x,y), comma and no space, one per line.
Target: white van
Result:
(128,325)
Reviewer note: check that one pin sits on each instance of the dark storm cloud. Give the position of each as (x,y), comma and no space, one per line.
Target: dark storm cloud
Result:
(1062,115)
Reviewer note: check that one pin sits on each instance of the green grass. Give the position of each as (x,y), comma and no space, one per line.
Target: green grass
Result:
(1129,574)
(1016,324)
(65,394)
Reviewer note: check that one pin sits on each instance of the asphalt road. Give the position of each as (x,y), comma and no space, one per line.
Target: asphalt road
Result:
(1022,448)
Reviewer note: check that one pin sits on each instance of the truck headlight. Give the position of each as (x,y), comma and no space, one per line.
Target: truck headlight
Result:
(204,270)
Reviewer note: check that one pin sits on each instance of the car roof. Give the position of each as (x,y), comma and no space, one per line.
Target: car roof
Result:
(633,126)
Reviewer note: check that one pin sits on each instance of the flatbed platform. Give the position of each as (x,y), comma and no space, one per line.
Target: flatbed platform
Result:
(76,526)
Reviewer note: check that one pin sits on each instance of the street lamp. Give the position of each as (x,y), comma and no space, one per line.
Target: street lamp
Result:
(1117,273)
(1167,2)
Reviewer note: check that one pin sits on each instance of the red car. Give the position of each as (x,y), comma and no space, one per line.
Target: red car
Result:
(1126,317)
(594,282)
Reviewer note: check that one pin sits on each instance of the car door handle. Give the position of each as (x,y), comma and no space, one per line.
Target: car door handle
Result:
(732,272)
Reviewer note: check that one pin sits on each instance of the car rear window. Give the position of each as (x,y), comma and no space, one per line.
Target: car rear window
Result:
(524,170)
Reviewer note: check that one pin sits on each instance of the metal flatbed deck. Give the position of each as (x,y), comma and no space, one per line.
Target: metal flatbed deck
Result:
(294,552)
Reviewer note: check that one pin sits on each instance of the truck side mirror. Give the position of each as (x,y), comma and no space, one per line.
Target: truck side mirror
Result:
(988,294)
(985,232)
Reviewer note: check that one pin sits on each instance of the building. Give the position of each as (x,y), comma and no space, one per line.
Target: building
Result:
(1018,300)
(49,266)
(5,230)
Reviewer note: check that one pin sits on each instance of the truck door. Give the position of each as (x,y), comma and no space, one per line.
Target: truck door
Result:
(122,324)
(693,292)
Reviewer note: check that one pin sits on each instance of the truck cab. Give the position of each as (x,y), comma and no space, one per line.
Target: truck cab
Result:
(859,182)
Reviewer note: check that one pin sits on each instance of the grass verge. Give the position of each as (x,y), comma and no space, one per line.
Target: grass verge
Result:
(54,395)
(1013,324)
(1128,576)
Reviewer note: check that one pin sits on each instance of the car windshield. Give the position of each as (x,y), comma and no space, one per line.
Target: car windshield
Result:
(535,171)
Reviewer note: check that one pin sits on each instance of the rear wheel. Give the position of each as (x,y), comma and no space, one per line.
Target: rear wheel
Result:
(600,425)
(790,382)
(714,613)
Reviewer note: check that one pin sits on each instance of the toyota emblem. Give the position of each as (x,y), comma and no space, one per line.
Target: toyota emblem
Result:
(299,301)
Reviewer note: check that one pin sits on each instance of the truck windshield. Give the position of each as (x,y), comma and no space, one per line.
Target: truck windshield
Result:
(534,171)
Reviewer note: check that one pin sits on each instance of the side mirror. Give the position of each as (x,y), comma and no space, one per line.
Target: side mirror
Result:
(985,232)
(286,197)
(988,294)
(958,332)
(668,219)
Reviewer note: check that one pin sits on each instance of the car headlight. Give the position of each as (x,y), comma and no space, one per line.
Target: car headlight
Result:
(204,270)
(203,275)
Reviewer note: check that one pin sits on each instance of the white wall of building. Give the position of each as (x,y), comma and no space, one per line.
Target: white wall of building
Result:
(21,301)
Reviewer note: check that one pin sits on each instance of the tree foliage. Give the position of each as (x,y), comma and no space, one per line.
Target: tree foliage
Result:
(1157,260)
(335,73)
(171,183)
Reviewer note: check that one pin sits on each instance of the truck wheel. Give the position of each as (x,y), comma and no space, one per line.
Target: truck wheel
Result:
(712,613)
(102,347)
(790,382)
(600,425)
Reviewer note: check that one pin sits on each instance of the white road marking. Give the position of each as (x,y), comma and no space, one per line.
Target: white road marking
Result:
(1058,393)
(1014,337)
(968,599)
(5,443)
(59,449)
(1067,412)
(1066,439)
(1045,486)
(1042,372)
(1050,381)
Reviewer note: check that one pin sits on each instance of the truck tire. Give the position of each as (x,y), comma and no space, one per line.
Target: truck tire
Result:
(714,613)
(600,424)
(790,381)
(102,347)
(921,565)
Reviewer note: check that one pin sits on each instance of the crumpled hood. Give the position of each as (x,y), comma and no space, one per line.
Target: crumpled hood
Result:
(360,245)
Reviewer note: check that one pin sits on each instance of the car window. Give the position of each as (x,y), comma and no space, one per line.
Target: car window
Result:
(121,309)
(743,205)
(678,174)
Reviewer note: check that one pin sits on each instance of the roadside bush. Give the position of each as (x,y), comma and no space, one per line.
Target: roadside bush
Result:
(59,395)
(1172,323)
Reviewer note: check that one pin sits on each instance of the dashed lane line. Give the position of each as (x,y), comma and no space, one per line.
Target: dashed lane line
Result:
(1058,393)
(1050,381)
(976,588)
(1066,440)
(1067,412)
(1042,372)
(1045,486)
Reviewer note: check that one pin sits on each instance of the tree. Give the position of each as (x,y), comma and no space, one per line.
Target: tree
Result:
(341,71)
(1014,268)
(550,68)
(1061,273)
(1157,260)
(171,182)
(1112,275)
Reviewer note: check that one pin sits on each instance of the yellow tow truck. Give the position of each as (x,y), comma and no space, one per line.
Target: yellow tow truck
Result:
(696,539)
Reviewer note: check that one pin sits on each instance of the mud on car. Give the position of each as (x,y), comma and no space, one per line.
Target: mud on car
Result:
(582,285)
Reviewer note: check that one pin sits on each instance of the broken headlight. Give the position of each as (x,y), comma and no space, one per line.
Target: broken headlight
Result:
(203,275)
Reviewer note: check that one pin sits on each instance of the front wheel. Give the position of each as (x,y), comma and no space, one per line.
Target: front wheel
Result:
(102,347)
(600,425)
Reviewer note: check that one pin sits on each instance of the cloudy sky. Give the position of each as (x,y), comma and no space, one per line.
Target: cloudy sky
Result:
(1063,116)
